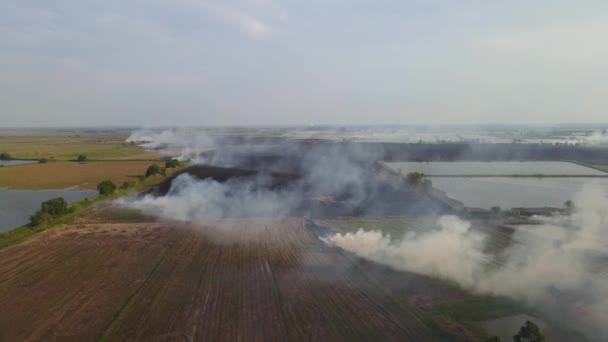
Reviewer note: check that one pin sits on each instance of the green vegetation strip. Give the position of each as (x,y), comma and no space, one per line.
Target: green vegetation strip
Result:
(25,232)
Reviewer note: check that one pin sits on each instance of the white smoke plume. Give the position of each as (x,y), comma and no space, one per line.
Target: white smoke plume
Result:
(182,143)
(192,200)
(454,251)
(562,263)
(598,138)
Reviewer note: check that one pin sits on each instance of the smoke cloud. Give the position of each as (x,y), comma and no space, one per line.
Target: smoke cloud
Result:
(184,144)
(559,264)
(453,252)
(192,200)
(280,178)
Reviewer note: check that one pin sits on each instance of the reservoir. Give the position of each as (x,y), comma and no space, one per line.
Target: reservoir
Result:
(16,206)
(510,192)
(493,168)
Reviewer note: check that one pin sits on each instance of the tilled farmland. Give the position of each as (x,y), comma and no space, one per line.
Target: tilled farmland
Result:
(235,279)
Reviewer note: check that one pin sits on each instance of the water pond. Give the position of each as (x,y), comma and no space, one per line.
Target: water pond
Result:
(17,162)
(16,206)
(529,168)
(509,193)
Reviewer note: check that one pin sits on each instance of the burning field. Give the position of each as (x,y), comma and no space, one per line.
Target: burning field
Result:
(301,241)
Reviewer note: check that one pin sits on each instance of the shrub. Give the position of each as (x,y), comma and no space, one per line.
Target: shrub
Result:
(106,187)
(55,207)
(81,158)
(152,170)
(5,156)
(415,178)
(43,160)
(172,163)
(49,210)
(529,332)
(40,218)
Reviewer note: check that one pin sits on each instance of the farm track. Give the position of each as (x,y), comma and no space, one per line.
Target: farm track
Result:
(237,280)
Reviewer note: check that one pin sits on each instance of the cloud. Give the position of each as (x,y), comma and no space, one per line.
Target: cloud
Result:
(248,24)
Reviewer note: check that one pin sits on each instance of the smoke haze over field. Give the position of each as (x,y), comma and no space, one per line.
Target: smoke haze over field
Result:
(559,264)
(193,200)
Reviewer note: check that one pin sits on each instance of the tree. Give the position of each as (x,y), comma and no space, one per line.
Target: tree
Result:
(495,210)
(493,339)
(5,156)
(569,205)
(172,163)
(415,178)
(106,187)
(81,158)
(43,160)
(55,207)
(126,185)
(529,332)
(152,170)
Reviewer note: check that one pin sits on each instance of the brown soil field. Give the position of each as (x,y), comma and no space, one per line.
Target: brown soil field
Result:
(60,175)
(234,280)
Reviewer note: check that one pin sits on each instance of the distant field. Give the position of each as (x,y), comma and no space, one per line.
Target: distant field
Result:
(68,145)
(60,175)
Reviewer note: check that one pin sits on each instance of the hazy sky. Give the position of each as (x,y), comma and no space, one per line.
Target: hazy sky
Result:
(260,62)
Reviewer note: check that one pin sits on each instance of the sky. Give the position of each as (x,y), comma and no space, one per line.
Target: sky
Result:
(302,62)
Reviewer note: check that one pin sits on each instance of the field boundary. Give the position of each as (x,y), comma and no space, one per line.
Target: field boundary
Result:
(26,232)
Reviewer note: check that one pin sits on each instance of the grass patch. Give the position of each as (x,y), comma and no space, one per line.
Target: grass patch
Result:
(469,312)
(16,235)
(480,308)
